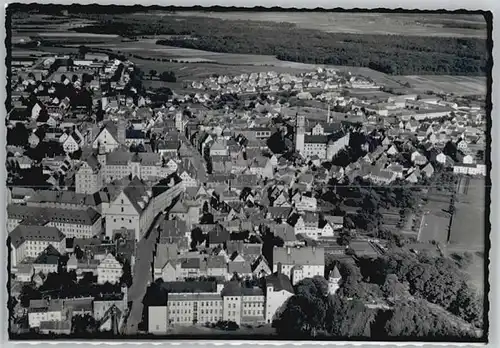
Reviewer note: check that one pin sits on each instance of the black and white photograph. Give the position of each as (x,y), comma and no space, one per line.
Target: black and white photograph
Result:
(230,173)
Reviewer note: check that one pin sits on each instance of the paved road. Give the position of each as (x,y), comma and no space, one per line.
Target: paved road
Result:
(141,278)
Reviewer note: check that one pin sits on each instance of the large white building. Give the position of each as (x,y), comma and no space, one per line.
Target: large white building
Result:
(324,140)
(89,178)
(79,223)
(137,204)
(131,209)
(144,165)
(278,290)
(299,263)
(44,310)
(30,241)
(196,303)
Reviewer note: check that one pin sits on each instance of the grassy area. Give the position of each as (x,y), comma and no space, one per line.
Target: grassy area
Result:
(468,226)
(458,85)
(434,228)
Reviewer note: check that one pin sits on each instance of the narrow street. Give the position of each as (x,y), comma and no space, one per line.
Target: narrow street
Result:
(197,159)
(142,276)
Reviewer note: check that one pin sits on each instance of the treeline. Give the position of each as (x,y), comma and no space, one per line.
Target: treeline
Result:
(392,54)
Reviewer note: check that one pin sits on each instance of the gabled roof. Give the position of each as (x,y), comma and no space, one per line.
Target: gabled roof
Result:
(279,281)
(136,191)
(299,256)
(50,256)
(239,267)
(218,235)
(189,286)
(179,208)
(23,233)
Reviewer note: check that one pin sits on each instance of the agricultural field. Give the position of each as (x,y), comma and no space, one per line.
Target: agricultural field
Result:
(374,23)
(149,48)
(458,85)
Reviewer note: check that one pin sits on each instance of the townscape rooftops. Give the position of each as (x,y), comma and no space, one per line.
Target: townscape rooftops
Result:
(24,233)
(62,197)
(41,215)
(190,287)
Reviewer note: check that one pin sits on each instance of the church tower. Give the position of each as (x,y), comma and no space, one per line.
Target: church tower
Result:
(334,280)
(300,133)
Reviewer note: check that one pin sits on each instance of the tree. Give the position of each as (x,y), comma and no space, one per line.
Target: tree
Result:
(152,73)
(468,306)
(300,317)
(349,319)
(78,252)
(83,324)
(28,293)
(62,283)
(242,235)
(168,76)
(82,51)
(205,207)
(11,305)
(392,288)
(415,319)
(207,218)
(18,135)
(126,277)
(197,237)
(344,238)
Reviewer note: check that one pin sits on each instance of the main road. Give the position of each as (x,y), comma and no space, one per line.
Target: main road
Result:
(142,276)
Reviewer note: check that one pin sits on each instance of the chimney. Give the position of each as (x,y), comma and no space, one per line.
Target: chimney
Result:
(279,268)
(288,251)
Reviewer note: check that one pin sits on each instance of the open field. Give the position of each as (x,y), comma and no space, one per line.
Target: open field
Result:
(374,23)
(434,227)
(149,48)
(468,222)
(459,85)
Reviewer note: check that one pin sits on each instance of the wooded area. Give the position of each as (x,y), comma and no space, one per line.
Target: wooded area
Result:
(391,54)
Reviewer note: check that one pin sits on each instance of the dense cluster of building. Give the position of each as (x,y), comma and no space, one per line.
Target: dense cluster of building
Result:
(207,181)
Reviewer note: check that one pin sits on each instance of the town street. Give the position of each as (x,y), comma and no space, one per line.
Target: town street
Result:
(142,276)
(197,160)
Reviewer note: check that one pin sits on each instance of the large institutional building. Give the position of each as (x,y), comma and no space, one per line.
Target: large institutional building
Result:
(321,139)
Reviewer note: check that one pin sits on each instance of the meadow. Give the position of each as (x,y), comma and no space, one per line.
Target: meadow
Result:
(459,85)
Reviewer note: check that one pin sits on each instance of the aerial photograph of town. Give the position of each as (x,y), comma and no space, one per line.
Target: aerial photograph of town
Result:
(224,173)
